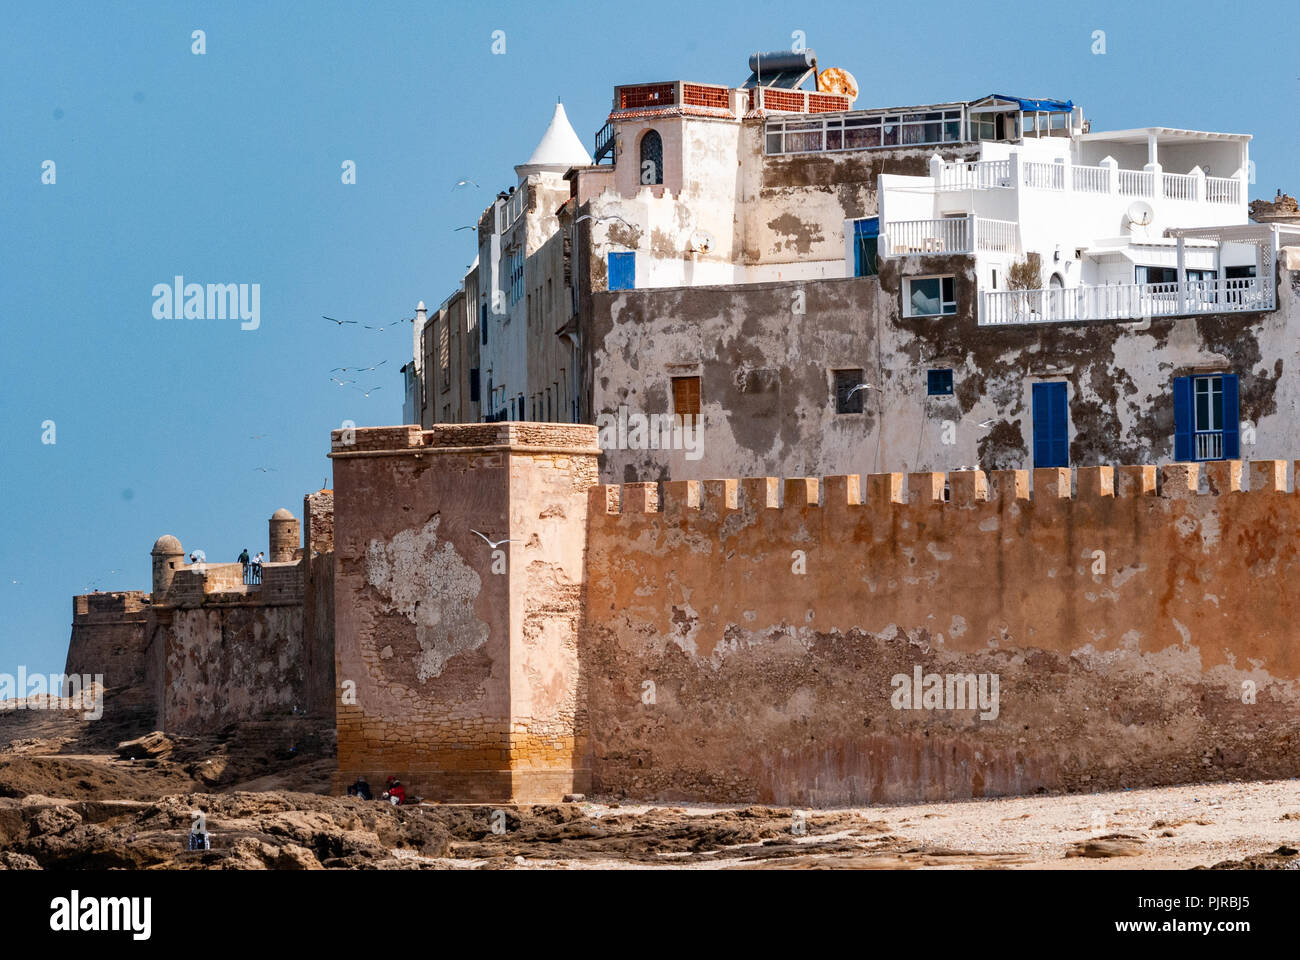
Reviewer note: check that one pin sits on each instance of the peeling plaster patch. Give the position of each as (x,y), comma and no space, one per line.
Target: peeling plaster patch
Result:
(1123,576)
(434,589)
(989,525)
(1185,525)
(1209,532)
(958,626)
(936,552)
(1182,631)
(1211,598)
(686,623)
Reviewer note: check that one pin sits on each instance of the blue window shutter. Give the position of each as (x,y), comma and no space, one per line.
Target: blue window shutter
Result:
(1183,417)
(1060,427)
(622,271)
(1051,425)
(1231,421)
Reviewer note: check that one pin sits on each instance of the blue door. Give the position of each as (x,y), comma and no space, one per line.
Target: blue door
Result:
(622,271)
(866,241)
(1051,426)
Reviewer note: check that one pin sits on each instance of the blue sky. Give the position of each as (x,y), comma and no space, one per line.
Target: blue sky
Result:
(226,167)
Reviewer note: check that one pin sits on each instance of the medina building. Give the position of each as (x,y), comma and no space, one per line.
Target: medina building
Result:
(827,288)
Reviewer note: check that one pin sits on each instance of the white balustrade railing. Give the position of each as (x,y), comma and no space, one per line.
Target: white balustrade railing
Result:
(1180,186)
(948,235)
(976,175)
(1002,236)
(1131,301)
(1223,190)
(1038,175)
(1043,176)
(1137,183)
(1091,179)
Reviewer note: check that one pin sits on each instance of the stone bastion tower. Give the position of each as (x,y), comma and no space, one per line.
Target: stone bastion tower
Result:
(458,596)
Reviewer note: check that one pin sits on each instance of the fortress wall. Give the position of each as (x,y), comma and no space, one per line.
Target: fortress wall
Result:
(456,662)
(741,637)
(109,638)
(228,662)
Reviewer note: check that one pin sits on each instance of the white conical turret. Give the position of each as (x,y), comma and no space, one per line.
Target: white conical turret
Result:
(558,150)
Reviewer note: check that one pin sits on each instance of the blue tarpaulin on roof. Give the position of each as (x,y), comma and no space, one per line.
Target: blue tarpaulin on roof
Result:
(1045,106)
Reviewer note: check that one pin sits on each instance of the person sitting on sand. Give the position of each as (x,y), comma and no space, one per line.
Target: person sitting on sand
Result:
(396,793)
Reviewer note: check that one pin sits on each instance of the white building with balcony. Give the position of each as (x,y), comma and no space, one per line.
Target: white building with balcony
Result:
(1125,224)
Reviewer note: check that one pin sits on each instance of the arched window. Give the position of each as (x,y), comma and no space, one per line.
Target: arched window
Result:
(652,158)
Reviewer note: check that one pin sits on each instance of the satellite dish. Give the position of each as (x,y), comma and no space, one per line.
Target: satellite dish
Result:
(701,241)
(838,80)
(1139,213)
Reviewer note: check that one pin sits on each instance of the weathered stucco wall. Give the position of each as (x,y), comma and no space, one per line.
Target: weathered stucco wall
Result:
(212,650)
(767,383)
(739,650)
(229,662)
(109,638)
(456,659)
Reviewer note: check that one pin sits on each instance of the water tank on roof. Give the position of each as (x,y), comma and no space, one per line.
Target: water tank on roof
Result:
(780,61)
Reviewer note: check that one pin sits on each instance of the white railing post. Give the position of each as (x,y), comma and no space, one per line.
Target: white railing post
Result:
(1111,166)
(1157,179)
(1181,298)
(972,232)
(1067,175)
(1198,184)
(936,167)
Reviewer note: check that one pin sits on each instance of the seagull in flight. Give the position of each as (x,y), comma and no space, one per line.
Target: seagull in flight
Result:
(366,393)
(491,543)
(473,226)
(341,383)
(464,182)
(860,386)
(265,469)
(339,322)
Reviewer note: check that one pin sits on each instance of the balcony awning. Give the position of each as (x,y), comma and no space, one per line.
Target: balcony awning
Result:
(1027,106)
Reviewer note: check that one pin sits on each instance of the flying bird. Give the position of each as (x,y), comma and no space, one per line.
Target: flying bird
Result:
(366,393)
(341,382)
(257,436)
(860,386)
(464,182)
(490,543)
(470,227)
(339,322)
(265,469)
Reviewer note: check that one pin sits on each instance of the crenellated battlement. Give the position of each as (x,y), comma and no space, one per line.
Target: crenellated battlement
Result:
(956,489)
